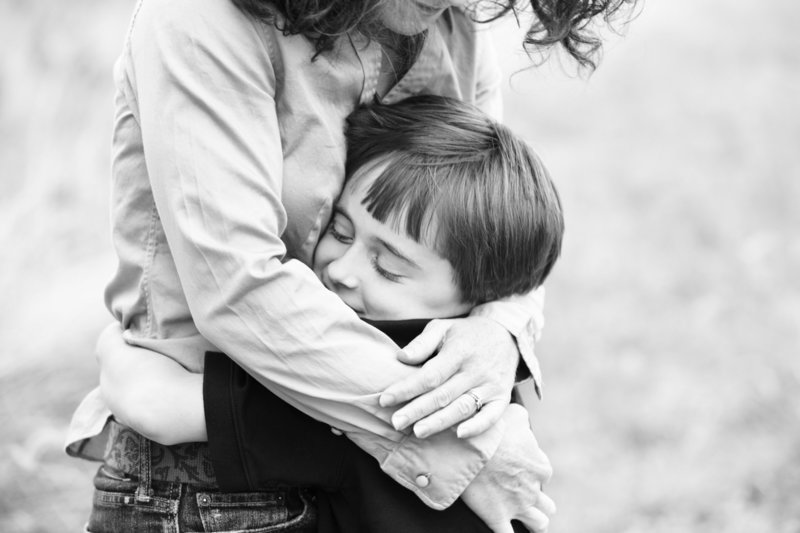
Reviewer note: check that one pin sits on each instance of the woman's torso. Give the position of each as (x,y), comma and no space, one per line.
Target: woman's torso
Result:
(312,97)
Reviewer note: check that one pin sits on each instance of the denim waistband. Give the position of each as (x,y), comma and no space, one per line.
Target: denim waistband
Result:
(134,454)
(123,502)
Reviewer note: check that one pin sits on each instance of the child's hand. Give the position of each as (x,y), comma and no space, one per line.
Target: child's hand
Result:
(470,379)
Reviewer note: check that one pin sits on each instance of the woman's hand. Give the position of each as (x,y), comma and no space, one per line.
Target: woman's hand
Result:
(510,485)
(470,379)
(149,392)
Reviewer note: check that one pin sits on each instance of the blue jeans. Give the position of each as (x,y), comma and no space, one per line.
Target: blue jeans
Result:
(124,503)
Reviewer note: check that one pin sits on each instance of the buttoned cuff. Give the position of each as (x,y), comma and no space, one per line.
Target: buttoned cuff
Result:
(439,468)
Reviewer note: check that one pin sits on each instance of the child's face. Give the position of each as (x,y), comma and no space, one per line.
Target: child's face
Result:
(380,273)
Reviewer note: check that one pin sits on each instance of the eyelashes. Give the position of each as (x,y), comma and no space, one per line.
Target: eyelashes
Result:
(345,239)
(336,234)
(391,276)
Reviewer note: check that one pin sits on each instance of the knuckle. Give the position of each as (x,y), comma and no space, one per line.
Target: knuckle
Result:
(433,378)
(438,423)
(465,407)
(442,399)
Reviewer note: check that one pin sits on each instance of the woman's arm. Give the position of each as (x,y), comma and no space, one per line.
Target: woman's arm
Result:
(482,365)
(484,361)
(165,403)
(275,443)
(150,393)
(270,442)
(197,80)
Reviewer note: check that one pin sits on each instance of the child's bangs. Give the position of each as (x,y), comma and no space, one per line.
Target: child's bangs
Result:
(408,195)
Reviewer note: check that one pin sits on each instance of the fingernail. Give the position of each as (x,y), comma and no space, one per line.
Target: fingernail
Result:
(386,400)
(403,355)
(421,431)
(400,422)
(460,432)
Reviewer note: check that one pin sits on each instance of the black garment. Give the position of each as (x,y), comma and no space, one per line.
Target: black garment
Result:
(259,442)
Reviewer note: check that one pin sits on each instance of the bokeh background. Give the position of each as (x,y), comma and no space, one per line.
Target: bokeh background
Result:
(672,372)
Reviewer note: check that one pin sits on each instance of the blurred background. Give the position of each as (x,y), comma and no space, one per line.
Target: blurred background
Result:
(671,355)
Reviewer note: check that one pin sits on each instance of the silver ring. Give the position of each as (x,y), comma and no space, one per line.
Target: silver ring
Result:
(478,401)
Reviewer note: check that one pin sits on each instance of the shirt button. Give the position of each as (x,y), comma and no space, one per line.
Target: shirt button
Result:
(337,432)
(423,480)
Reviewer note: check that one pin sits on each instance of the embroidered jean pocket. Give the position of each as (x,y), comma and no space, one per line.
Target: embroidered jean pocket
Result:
(113,474)
(114,506)
(253,512)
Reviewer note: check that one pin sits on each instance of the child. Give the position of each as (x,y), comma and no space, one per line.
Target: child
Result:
(443,209)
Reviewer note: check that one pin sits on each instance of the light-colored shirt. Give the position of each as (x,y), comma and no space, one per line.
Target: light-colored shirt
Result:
(228,154)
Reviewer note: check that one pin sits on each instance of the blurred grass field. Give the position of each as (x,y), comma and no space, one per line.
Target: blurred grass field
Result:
(671,354)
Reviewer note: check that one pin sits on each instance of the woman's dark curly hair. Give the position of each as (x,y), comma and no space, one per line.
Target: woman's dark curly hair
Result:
(564,22)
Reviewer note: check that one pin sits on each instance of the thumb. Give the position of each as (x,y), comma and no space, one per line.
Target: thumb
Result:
(425,344)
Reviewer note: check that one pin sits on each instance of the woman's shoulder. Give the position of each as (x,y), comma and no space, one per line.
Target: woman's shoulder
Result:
(195,19)
(459,29)
(199,28)
(458,19)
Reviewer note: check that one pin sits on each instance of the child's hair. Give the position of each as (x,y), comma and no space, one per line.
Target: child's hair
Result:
(565,22)
(451,173)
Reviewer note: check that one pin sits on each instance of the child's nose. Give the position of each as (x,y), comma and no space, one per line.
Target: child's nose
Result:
(342,272)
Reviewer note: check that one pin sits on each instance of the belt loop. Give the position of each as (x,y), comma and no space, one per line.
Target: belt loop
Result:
(144,492)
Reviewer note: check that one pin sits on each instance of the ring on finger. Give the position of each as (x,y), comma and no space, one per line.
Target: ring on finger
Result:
(476,398)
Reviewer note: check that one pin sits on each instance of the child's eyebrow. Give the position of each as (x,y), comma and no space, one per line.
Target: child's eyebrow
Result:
(394,251)
(339,210)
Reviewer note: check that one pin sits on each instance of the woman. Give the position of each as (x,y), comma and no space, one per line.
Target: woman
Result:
(228,155)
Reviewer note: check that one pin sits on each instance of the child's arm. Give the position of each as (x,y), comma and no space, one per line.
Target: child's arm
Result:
(149,392)
(305,452)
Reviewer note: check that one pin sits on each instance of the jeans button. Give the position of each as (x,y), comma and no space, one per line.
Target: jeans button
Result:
(205,500)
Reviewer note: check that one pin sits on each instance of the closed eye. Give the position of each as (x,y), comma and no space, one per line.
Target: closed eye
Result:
(338,235)
(391,276)
(341,227)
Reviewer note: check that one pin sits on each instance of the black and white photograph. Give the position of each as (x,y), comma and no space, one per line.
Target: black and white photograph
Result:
(399,266)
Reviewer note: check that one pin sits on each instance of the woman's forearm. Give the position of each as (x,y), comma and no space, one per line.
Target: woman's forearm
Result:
(150,393)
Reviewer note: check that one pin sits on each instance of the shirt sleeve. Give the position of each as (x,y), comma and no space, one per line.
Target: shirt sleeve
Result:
(199,81)
(270,443)
(522,316)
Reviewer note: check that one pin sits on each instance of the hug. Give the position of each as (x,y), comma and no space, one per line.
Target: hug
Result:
(252,219)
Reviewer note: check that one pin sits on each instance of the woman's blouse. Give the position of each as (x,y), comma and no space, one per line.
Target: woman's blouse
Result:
(228,153)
